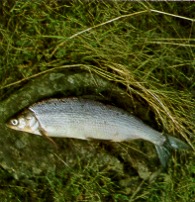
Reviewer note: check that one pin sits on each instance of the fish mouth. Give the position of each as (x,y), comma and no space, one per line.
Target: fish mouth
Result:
(8,125)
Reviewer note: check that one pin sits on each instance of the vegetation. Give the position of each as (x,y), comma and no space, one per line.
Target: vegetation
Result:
(146,51)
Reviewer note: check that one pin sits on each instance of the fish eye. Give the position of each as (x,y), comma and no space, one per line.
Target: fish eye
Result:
(14,122)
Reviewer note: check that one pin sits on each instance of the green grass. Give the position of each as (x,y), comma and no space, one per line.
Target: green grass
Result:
(137,55)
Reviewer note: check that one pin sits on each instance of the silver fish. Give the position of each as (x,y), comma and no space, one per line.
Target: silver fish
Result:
(87,119)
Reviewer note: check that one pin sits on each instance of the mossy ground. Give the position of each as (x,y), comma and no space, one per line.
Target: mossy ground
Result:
(144,48)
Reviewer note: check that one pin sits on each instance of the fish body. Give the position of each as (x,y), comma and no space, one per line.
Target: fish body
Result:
(87,119)
(84,119)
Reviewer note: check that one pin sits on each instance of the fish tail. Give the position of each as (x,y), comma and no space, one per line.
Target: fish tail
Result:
(177,143)
(164,151)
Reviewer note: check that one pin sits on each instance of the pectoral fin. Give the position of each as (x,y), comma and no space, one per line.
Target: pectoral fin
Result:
(44,134)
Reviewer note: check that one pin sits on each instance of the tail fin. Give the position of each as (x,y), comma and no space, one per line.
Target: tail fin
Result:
(177,143)
(164,151)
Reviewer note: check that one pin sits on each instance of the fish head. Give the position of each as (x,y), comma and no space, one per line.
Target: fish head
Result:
(25,121)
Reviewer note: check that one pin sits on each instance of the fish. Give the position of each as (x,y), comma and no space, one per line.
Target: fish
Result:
(88,119)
